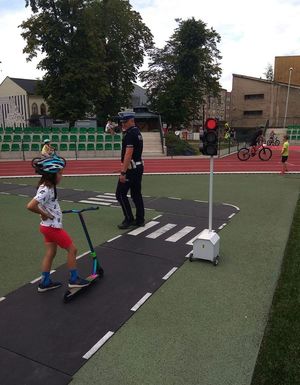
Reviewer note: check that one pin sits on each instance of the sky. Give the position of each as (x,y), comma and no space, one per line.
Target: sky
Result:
(252,32)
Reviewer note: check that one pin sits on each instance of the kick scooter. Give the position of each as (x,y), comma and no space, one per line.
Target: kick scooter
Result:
(97,271)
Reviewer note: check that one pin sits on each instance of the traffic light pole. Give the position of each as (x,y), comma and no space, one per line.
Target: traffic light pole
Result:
(210,199)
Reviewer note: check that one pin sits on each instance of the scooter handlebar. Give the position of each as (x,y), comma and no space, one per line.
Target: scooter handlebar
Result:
(80,211)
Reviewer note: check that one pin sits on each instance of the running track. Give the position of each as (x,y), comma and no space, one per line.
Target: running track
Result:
(229,164)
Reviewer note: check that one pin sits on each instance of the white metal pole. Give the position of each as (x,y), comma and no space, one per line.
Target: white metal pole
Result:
(287,98)
(211,185)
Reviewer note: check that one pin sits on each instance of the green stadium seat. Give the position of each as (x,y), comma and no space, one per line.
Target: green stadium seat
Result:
(9,130)
(37,130)
(294,137)
(1,130)
(55,138)
(17,139)
(100,130)
(55,130)
(44,137)
(91,130)
(82,138)
(5,147)
(64,138)
(72,147)
(7,138)
(46,130)
(73,138)
(0,138)
(27,130)
(108,138)
(35,147)
(100,138)
(298,137)
(25,147)
(82,130)
(55,145)
(81,147)
(117,146)
(99,147)
(117,138)
(18,130)
(65,130)
(91,138)
(74,130)
(15,147)
(27,138)
(36,138)
(63,147)
(91,147)
(108,147)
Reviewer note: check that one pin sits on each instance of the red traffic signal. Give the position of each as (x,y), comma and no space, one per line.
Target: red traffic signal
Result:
(211,124)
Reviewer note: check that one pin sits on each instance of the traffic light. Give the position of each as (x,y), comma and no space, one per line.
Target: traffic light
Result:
(210,137)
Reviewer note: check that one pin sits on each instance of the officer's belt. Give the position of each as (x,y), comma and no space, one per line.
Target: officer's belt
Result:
(133,164)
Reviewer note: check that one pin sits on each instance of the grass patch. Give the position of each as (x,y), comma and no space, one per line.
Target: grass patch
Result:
(279,356)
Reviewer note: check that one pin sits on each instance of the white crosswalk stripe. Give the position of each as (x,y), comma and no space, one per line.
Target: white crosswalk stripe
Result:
(95,203)
(161,231)
(140,230)
(180,234)
(107,198)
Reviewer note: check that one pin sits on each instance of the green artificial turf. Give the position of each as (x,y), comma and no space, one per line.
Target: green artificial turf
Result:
(279,358)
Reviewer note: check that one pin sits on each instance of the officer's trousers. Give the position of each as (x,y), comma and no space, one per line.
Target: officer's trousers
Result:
(134,184)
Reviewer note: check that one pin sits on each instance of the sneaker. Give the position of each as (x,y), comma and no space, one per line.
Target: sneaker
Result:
(51,286)
(126,225)
(78,283)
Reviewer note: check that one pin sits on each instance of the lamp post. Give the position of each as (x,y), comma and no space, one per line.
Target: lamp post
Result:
(287,97)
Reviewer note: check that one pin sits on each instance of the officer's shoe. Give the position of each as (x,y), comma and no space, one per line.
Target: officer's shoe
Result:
(139,223)
(126,225)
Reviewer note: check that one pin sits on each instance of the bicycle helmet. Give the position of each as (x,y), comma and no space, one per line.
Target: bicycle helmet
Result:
(50,165)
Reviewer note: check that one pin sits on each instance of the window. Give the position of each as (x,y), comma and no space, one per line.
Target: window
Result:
(34,109)
(253,113)
(254,97)
(43,109)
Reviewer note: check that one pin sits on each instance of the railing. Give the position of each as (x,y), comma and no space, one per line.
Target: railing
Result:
(227,147)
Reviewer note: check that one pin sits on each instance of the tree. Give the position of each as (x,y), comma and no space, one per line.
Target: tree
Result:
(91,53)
(269,74)
(182,73)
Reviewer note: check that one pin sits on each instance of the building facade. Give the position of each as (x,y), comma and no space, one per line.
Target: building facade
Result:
(258,102)
(282,69)
(19,101)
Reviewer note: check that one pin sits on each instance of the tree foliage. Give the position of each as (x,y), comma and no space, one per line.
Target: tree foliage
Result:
(184,71)
(91,52)
(269,72)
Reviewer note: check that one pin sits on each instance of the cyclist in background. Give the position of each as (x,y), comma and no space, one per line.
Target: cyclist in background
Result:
(47,149)
(256,139)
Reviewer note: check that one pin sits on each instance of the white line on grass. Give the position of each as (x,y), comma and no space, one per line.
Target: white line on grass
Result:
(141,302)
(98,345)
(231,216)
(159,216)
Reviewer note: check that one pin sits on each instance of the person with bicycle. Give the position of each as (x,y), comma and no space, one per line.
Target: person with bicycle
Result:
(256,140)
(47,149)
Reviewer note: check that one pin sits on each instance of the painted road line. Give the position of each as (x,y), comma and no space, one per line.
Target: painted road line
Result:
(161,231)
(95,203)
(65,200)
(231,216)
(98,345)
(39,278)
(83,255)
(104,199)
(113,239)
(23,195)
(107,197)
(229,204)
(4,193)
(22,184)
(175,199)
(197,200)
(147,226)
(222,227)
(78,189)
(141,302)
(2,299)
(171,272)
(159,216)
(110,194)
(188,255)
(180,234)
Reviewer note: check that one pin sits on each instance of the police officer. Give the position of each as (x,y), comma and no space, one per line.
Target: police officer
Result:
(132,169)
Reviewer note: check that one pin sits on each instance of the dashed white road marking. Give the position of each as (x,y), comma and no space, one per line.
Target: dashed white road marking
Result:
(141,302)
(95,203)
(38,279)
(231,216)
(113,239)
(171,272)
(2,299)
(82,255)
(98,345)
(180,234)
(161,231)
(159,216)
(140,230)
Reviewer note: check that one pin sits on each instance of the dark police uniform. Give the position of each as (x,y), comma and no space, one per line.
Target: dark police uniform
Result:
(132,138)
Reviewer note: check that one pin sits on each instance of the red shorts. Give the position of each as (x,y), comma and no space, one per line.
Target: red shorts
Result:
(58,236)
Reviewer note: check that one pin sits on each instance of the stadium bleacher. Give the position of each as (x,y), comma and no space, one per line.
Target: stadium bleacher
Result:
(294,132)
(27,139)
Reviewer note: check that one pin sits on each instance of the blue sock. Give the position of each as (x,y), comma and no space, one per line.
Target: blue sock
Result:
(45,278)
(73,275)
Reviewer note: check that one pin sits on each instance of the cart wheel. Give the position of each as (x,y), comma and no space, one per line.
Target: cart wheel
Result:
(216,261)
(191,258)
(100,272)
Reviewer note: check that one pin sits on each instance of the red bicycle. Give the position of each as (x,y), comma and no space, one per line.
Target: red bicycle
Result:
(264,153)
